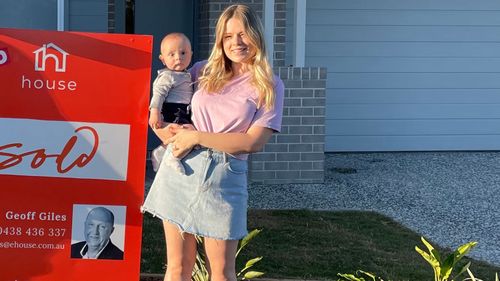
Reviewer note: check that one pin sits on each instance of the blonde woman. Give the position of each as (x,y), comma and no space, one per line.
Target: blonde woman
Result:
(236,108)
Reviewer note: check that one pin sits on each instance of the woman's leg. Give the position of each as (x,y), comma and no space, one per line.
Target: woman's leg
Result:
(181,253)
(221,259)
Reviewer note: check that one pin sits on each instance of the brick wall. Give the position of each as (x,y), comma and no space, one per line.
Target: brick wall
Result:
(296,155)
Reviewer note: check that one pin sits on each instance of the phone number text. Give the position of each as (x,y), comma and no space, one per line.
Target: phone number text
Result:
(32,231)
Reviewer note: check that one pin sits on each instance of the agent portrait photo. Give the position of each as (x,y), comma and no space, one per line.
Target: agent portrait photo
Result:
(98,228)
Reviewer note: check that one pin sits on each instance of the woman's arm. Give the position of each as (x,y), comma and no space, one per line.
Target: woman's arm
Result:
(233,143)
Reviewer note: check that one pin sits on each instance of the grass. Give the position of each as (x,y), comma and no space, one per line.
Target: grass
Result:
(301,244)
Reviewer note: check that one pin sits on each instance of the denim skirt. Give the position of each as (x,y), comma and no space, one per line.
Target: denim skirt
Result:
(210,200)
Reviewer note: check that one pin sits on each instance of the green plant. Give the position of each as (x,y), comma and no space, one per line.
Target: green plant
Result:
(360,274)
(200,272)
(443,268)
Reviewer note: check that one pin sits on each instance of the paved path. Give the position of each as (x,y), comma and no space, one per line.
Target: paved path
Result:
(450,197)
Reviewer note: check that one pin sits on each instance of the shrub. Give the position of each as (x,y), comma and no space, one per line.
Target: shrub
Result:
(443,268)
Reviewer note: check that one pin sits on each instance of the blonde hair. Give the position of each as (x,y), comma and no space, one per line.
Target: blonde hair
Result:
(218,71)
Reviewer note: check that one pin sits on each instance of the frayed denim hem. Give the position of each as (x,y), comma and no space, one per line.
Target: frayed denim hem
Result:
(182,230)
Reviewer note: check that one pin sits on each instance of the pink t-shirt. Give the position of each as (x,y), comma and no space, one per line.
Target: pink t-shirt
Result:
(234,108)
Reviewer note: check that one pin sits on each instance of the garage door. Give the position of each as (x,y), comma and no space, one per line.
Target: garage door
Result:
(407,75)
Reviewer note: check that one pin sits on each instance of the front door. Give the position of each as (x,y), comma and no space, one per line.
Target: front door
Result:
(159,17)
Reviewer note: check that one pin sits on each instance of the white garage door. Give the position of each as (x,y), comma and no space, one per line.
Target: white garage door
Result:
(406,75)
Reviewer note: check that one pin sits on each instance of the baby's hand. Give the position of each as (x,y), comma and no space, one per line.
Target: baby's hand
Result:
(155,119)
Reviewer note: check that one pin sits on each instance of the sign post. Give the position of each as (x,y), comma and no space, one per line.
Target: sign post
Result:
(73,129)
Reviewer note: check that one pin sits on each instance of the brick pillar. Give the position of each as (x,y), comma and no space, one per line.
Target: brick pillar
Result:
(211,9)
(279,32)
(111,16)
(296,155)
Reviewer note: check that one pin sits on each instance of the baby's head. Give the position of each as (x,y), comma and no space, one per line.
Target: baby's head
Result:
(176,51)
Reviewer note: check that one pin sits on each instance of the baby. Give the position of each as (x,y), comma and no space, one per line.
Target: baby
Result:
(172,92)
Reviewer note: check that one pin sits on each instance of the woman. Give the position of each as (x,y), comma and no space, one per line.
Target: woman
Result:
(237,107)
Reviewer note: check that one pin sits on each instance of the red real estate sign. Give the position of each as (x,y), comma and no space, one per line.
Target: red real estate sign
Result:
(73,128)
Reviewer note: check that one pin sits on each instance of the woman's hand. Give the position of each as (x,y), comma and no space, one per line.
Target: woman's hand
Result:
(177,128)
(183,142)
(164,133)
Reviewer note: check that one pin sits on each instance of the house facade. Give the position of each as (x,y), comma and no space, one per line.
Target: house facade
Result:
(385,75)
(296,155)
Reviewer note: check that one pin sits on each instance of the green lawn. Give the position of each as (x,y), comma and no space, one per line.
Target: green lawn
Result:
(300,244)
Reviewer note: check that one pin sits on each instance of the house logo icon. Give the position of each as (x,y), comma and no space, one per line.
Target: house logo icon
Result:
(50,51)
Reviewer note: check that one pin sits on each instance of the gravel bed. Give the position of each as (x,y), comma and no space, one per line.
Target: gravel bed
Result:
(448,197)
